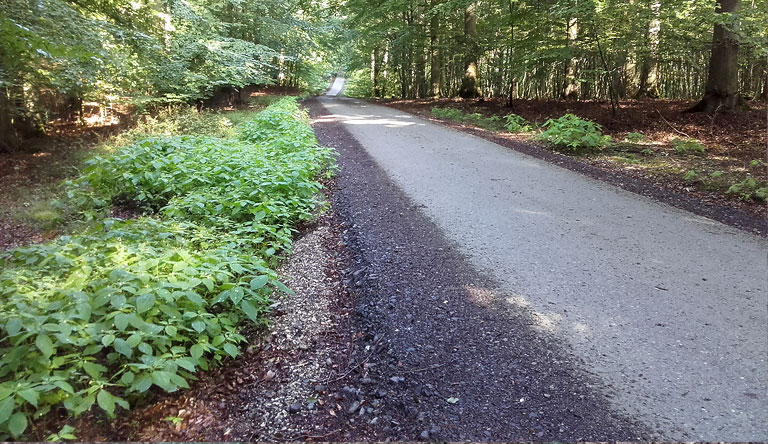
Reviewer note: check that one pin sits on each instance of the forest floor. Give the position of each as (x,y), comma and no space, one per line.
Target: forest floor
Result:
(736,143)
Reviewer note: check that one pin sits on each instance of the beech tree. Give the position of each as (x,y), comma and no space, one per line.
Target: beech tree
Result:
(722,88)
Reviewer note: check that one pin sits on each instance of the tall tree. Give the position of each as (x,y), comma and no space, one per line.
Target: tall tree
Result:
(434,49)
(469,88)
(722,88)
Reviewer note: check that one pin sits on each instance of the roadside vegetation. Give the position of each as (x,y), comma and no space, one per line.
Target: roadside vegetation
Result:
(666,155)
(141,302)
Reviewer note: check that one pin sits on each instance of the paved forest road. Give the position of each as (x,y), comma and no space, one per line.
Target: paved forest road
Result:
(668,311)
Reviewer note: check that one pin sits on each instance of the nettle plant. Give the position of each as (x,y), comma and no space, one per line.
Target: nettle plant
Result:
(686,147)
(448,113)
(516,124)
(574,133)
(750,189)
(104,316)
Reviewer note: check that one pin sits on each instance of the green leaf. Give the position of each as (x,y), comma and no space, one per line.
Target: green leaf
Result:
(6,409)
(186,364)
(64,385)
(121,321)
(122,347)
(145,348)
(107,339)
(133,340)
(145,303)
(196,351)
(162,379)
(117,301)
(194,297)
(249,310)
(171,331)
(231,350)
(142,384)
(94,370)
(31,395)
(45,345)
(198,326)
(127,378)
(17,424)
(282,287)
(106,402)
(259,282)
(13,326)
(84,405)
(5,392)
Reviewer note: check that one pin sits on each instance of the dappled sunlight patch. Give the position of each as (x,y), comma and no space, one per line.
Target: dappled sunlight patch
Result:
(480,296)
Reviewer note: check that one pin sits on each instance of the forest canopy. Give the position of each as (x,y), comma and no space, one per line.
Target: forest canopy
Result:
(57,54)
(574,49)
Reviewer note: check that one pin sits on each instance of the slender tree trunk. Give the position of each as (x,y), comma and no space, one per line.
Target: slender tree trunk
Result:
(512,74)
(570,89)
(434,47)
(764,94)
(9,139)
(469,88)
(375,72)
(722,88)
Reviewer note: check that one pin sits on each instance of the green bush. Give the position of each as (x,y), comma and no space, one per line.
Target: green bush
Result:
(635,137)
(493,123)
(448,113)
(569,131)
(749,189)
(689,146)
(690,176)
(102,317)
(516,124)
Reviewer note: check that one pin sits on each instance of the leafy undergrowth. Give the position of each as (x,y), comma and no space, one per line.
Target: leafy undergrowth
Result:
(104,316)
(33,205)
(725,159)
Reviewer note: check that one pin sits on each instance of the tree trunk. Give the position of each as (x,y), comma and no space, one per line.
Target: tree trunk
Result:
(647,84)
(764,94)
(469,88)
(570,88)
(512,87)
(434,47)
(9,139)
(375,68)
(722,88)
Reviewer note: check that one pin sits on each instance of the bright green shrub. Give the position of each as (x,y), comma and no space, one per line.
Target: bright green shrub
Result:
(476,119)
(690,176)
(635,137)
(749,188)
(448,113)
(569,131)
(516,124)
(689,146)
(102,317)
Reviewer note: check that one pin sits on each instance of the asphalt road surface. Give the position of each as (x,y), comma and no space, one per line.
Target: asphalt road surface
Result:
(668,309)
